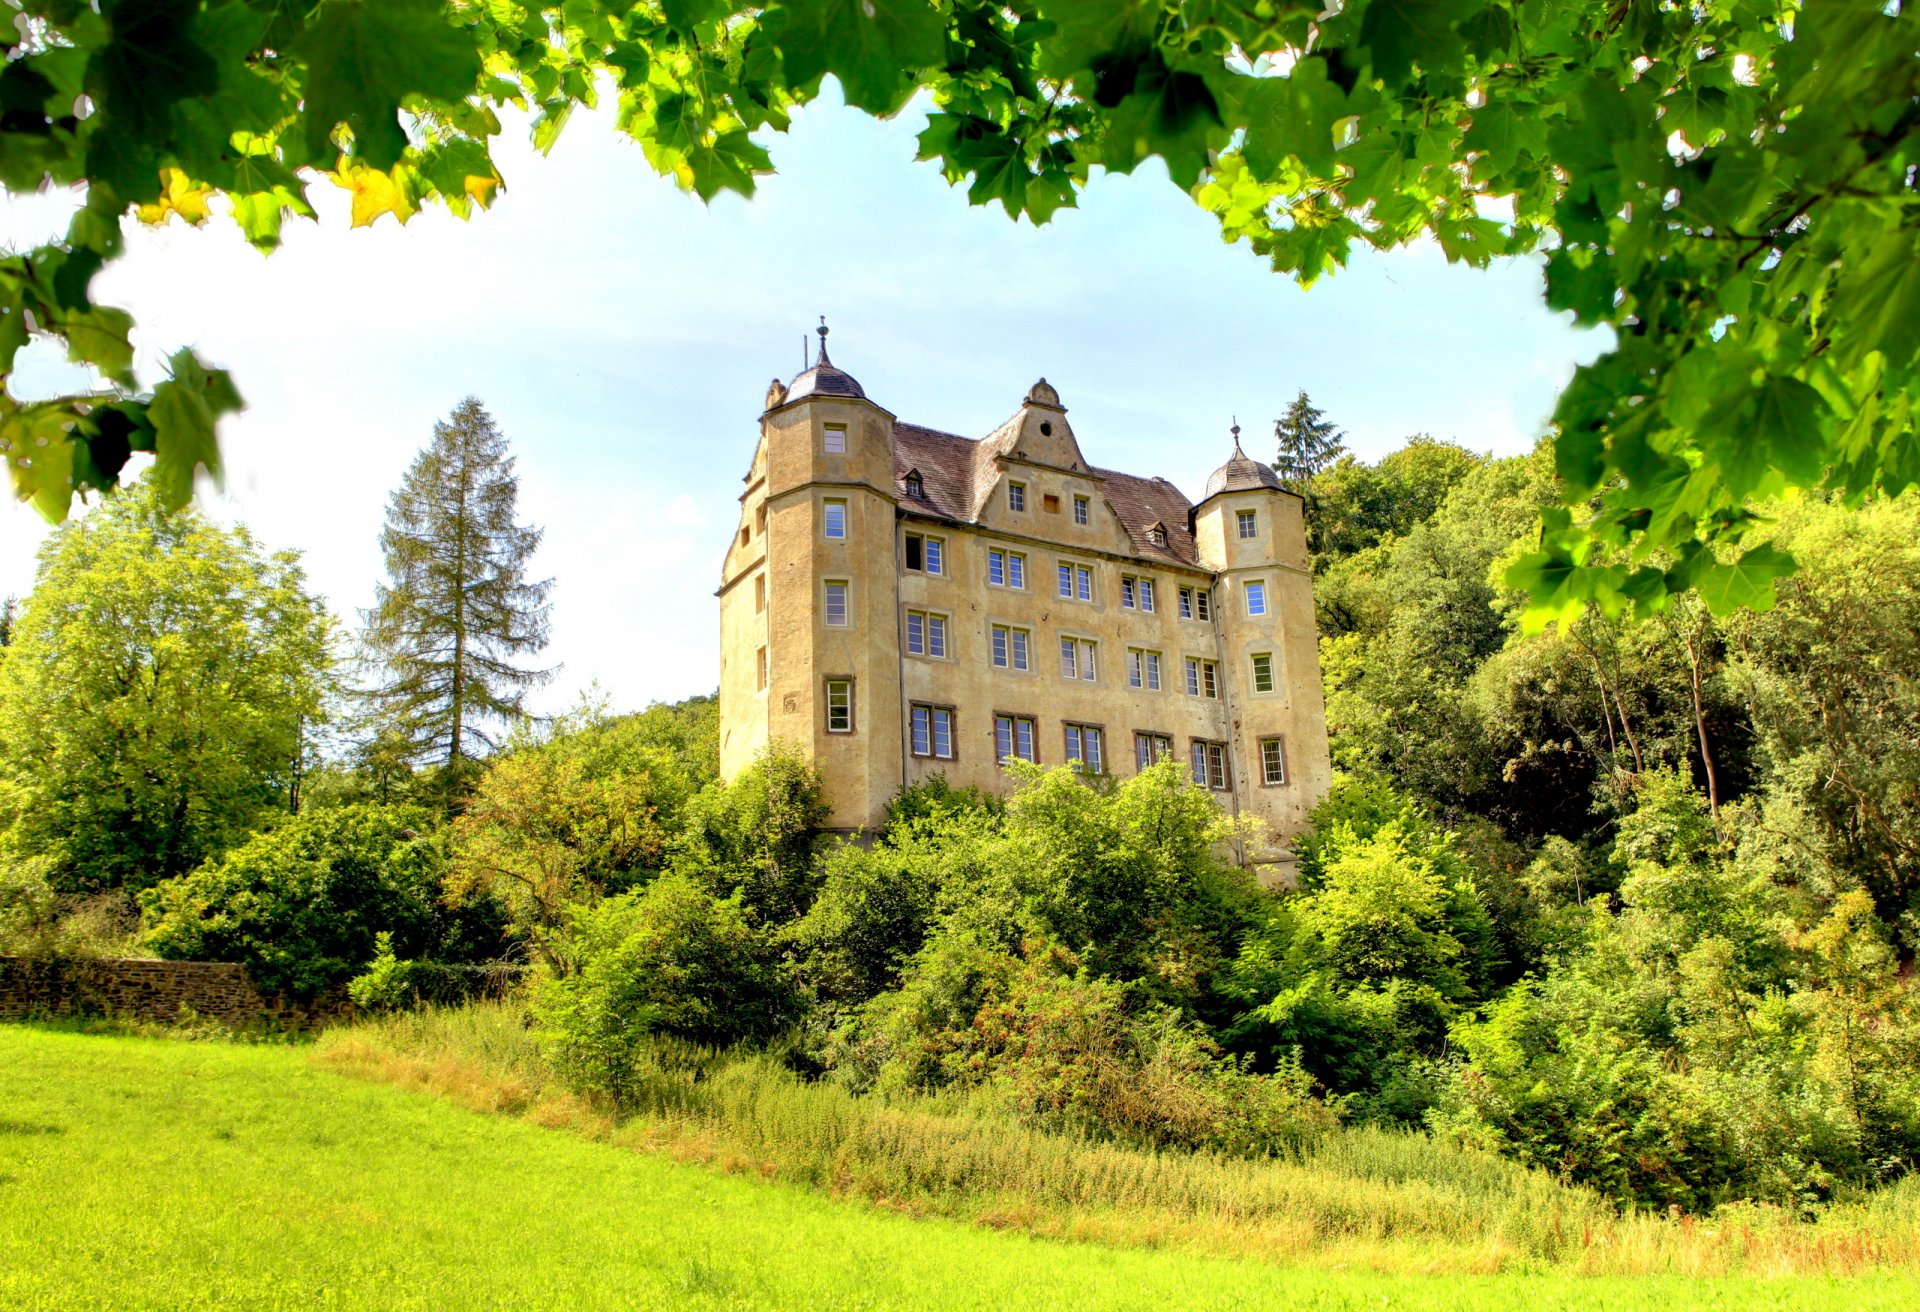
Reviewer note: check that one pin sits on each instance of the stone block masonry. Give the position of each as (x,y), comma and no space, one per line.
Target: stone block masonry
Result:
(151,991)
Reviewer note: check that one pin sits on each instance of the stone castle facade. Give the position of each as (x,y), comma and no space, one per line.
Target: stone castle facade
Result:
(902,602)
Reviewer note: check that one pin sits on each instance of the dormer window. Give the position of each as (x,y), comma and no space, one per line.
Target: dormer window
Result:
(1157,535)
(915,488)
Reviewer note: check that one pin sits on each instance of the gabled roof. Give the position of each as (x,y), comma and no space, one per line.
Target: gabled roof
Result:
(958,474)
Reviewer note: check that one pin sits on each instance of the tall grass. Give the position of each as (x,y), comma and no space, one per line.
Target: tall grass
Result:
(1390,1201)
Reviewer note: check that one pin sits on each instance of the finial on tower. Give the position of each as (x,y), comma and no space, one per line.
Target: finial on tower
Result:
(822,330)
(1235,430)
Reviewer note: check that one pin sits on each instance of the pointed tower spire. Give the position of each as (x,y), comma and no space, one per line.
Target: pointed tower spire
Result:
(1235,430)
(822,330)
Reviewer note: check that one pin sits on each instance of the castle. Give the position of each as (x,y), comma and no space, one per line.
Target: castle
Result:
(902,602)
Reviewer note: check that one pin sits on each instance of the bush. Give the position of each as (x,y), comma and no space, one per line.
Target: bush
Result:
(671,959)
(302,906)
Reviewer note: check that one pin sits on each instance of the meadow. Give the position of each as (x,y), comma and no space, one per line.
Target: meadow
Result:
(154,1173)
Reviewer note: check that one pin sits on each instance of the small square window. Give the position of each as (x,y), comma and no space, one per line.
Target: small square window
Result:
(1273,762)
(1050,503)
(1256,597)
(1086,748)
(1013,737)
(836,439)
(1149,748)
(1016,496)
(1249,525)
(1079,510)
(1263,671)
(839,705)
(836,603)
(835,519)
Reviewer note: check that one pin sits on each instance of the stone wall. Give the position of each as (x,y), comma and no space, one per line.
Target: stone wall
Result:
(150,990)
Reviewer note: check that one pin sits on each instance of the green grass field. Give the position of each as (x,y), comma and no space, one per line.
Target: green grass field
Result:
(151,1173)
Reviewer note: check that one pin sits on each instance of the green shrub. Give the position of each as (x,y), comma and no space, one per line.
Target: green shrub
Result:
(671,959)
(302,906)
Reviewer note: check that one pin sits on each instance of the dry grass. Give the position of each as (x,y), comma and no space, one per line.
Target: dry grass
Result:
(1360,1199)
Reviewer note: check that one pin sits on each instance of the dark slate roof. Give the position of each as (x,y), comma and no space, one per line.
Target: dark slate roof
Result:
(824,379)
(1240,473)
(957,474)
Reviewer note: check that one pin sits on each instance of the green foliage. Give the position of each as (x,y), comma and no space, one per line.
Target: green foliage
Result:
(756,835)
(157,693)
(1728,186)
(303,906)
(1308,442)
(457,608)
(671,959)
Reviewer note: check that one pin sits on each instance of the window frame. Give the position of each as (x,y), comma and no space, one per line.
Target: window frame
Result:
(760,593)
(932,550)
(1150,739)
(827,685)
(1096,734)
(1016,496)
(827,506)
(933,711)
(760,672)
(827,433)
(1013,641)
(846,603)
(1144,669)
(1248,524)
(1279,743)
(1212,751)
(1255,660)
(1013,566)
(1013,720)
(1085,656)
(1079,580)
(1082,509)
(1250,589)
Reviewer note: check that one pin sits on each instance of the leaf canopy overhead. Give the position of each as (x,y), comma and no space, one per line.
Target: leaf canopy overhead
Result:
(1727,184)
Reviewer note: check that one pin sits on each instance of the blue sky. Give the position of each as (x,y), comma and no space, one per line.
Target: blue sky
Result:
(623,334)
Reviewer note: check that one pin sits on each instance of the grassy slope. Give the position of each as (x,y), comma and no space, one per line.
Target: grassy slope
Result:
(151,1173)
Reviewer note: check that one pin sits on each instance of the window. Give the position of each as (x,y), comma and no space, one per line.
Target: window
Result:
(1006,569)
(1149,748)
(1263,671)
(1249,526)
(1013,736)
(1009,647)
(932,731)
(1079,510)
(839,705)
(1256,597)
(1075,581)
(1209,761)
(836,519)
(1084,748)
(1157,535)
(759,593)
(1186,603)
(1273,762)
(1146,594)
(926,634)
(915,487)
(746,535)
(836,603)
(926,553)
(760,670)
(836,439)
(1136,594)
(760,520)
(1203,603)
(1203,678)
(1076,659)
(1016,496)
(1143,669)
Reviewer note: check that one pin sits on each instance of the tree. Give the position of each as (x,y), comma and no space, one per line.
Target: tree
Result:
(153,700)
(1728,186)
(457,607)
(1308,441)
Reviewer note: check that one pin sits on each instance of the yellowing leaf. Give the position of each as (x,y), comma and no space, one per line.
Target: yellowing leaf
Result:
(376,193)
(178,195)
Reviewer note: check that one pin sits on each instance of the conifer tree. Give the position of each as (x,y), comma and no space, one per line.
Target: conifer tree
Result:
(457,610)
(1308,440)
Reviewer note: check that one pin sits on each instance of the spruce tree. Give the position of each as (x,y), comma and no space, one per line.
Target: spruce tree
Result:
(457,610)
(1309,442)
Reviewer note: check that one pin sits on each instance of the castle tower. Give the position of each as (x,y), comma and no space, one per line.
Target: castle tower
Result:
(1251,532)
(810,589)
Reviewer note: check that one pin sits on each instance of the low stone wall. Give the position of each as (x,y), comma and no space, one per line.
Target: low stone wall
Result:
(150,990)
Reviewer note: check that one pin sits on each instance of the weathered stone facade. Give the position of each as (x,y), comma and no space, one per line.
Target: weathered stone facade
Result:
(150,990)
(901,602)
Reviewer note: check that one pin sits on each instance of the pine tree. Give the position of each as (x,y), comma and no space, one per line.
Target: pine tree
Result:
(1309,442)
(457,608)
